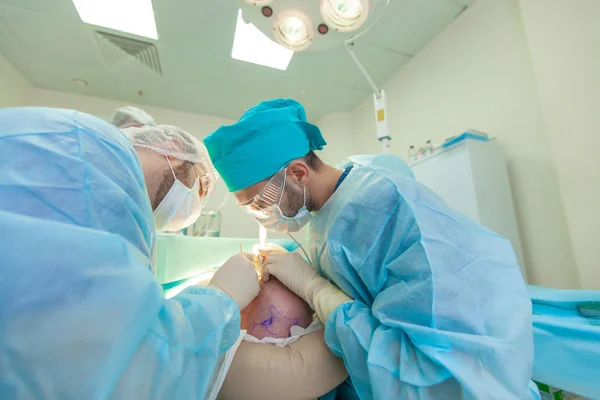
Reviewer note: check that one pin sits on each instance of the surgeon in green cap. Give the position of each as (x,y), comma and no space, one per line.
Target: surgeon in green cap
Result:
(440,308)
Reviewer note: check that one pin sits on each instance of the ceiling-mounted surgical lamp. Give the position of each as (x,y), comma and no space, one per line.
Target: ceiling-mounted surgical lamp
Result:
(345,15)
(312,25)
(319,25)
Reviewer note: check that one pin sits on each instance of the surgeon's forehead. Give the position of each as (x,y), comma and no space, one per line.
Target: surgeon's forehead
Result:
(250,192)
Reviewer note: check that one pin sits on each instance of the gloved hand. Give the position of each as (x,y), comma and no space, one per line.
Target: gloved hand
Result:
(238,279)
(301,278)
(269,248)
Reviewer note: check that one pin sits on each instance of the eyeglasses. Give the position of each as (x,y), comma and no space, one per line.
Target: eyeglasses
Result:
(261,204)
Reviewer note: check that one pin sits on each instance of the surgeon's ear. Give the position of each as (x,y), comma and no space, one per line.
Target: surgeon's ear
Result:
(299,170)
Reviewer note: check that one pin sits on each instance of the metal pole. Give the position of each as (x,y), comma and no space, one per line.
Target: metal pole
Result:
(350,49)
(379,102)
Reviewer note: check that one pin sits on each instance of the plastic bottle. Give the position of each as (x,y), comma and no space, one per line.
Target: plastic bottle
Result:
(412,154)
(428,148)
(208,224)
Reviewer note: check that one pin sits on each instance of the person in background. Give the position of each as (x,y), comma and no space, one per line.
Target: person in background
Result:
(441,310)
(81,314)
(128,116)
(178,174)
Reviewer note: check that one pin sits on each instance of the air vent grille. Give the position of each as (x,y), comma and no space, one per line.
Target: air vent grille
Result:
(116,49)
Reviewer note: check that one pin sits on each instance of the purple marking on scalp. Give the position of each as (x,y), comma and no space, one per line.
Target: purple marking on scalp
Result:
(275,315)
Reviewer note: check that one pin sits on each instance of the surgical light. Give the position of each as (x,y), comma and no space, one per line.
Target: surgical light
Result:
(131,16)
(313,25)
(344,15)
(293,30)
(322,25)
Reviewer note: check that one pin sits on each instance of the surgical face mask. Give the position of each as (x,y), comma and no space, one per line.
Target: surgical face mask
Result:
(272,217)
(180,208)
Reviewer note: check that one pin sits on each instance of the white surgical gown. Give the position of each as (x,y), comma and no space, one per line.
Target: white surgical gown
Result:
(441,309)
(81,316)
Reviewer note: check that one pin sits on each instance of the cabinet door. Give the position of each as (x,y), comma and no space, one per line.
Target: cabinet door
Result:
(449,175)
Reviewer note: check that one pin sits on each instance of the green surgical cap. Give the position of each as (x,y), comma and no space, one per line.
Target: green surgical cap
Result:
(267,137)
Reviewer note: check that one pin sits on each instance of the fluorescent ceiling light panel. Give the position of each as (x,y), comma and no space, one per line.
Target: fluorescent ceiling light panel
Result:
(131,16)
(253,46)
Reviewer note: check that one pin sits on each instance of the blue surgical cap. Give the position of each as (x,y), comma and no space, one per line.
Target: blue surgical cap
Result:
(267,137)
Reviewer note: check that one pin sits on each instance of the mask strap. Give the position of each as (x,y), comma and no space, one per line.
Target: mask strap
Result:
(282,186)
(170,166)
(194,170)
(304,196)
(173,172)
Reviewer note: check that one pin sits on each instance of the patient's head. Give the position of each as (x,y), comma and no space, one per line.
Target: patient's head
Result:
(274,311)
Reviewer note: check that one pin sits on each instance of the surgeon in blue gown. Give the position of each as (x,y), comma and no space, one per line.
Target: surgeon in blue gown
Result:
(433,305)
(81,316)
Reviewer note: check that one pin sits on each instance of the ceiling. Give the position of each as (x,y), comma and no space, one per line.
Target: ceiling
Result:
(47,42)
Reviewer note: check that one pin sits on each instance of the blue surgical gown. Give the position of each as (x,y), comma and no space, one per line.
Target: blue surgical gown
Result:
(81,316)
(567,342)
(441,309)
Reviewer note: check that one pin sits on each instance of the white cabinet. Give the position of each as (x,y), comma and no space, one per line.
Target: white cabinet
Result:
(471,177)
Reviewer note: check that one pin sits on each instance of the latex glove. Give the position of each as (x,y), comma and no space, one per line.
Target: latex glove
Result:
(269,248)
(238,279)
(301,278)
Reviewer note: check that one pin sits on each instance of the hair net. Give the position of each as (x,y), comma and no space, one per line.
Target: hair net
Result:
(265,139)
(127,116)
(170,140)
(81,314)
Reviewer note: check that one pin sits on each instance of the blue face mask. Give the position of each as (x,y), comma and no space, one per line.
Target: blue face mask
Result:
(275,221)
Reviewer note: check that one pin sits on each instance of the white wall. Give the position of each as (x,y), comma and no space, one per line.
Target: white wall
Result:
(14,89)
(337,130)
(199,125)
(564,42)
(478,74)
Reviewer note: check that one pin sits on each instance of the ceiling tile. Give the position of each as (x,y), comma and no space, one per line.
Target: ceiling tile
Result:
(203,25)
(337,66)
(58,8)
(198,65)
(409,25)
(7,36)
(52,37)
